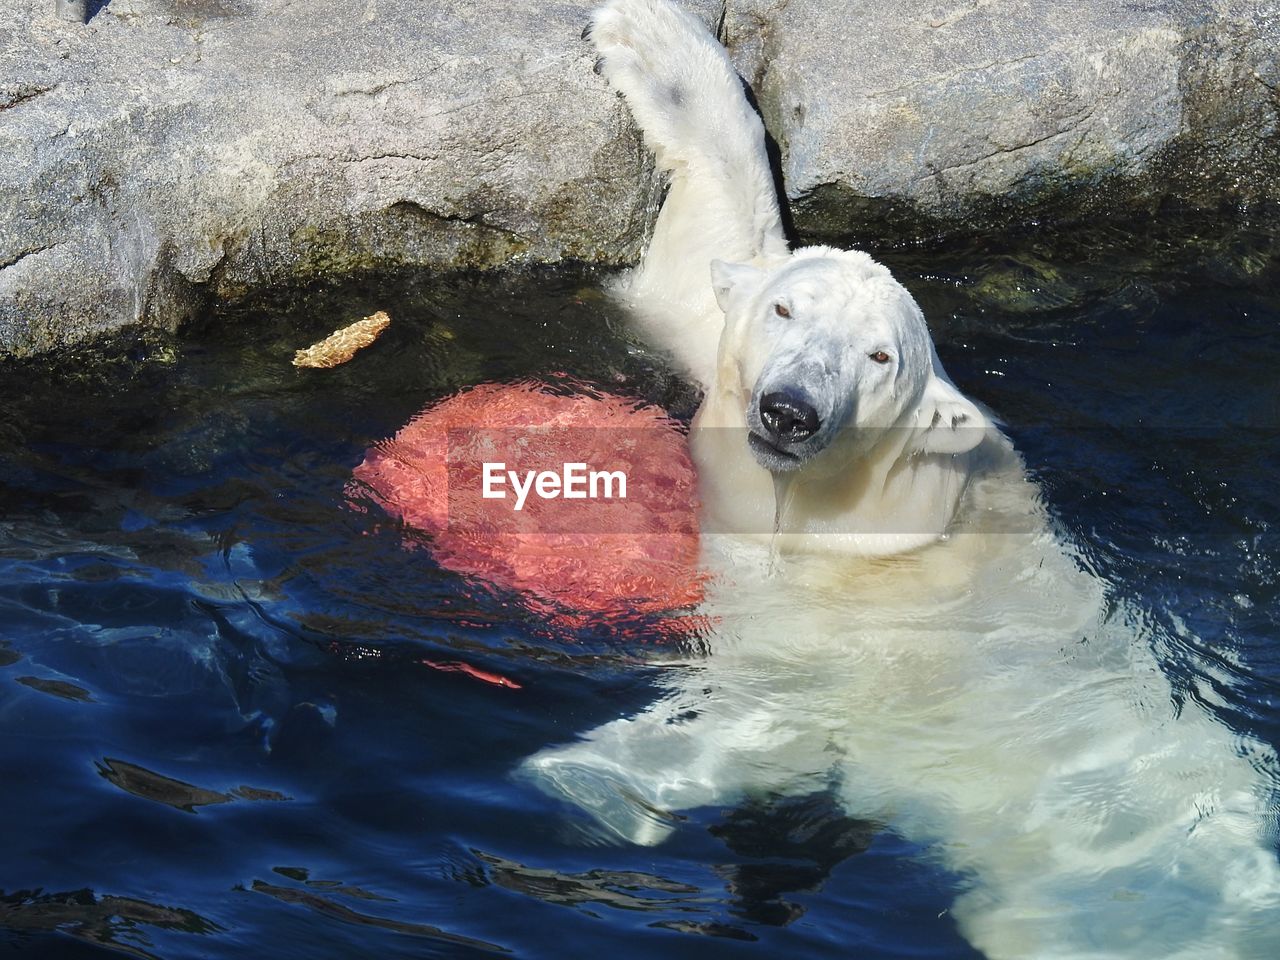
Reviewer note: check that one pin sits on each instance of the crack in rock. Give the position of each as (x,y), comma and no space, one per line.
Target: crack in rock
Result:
(24,255)
(17,95)
(1004,151)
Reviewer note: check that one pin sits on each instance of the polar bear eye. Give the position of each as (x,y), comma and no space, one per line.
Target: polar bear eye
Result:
(880,356)
(781,310)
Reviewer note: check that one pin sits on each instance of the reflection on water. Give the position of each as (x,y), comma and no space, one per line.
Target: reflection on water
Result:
(303,875)
(149,785)
(621,889)
(184,584)
(792,845)
(56,688)
(119,924)
(783,845)
(332,908)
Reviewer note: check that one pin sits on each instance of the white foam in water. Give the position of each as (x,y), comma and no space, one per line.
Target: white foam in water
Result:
(984,697)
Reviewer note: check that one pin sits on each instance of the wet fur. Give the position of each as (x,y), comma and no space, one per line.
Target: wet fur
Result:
(983,694)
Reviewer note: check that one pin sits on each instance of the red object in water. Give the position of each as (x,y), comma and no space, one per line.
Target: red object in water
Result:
(579,559)
(459,666)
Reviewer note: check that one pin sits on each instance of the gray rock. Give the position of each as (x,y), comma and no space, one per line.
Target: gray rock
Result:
(175,149)
(170,151)
(982,111)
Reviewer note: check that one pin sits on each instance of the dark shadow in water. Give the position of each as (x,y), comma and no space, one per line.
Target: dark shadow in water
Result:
(108,921)
(303,875)
(630,890)
(794,844)
(56,688)
(150,785)
(331,908)
(621,889)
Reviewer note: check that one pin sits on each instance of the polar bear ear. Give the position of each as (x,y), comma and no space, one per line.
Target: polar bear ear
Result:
(946,421)
(734,282)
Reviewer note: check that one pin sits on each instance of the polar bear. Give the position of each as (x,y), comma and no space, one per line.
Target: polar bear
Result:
(929,649)
(819,373)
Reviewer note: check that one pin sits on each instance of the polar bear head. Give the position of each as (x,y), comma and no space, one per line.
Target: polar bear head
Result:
(831,355)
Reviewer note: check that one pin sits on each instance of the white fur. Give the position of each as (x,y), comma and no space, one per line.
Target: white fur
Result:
(688,101)
(721,216)
(892,477)
(980,694)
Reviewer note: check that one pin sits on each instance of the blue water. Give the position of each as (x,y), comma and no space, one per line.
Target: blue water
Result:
(224,725)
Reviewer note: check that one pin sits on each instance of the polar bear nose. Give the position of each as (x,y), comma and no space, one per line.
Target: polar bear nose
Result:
(788,417)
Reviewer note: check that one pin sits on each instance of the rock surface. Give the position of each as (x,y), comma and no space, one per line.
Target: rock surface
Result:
(173,150)
(981,111)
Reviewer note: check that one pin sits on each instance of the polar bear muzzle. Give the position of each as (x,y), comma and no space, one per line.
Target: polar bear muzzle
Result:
(783,430)
(789,417)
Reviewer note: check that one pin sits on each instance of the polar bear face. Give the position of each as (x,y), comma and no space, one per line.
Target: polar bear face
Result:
(832,358)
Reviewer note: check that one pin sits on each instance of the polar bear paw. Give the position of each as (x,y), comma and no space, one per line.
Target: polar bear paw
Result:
(605,791)
(676,78)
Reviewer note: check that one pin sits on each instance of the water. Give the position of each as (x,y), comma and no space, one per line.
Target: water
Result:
(232,715)
(783,487)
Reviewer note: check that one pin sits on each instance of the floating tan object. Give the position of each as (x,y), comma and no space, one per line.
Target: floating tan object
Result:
(341,345)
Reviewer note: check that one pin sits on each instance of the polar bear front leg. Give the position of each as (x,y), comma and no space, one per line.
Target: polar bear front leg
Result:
(631,775)
(711,741)
(722,204)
